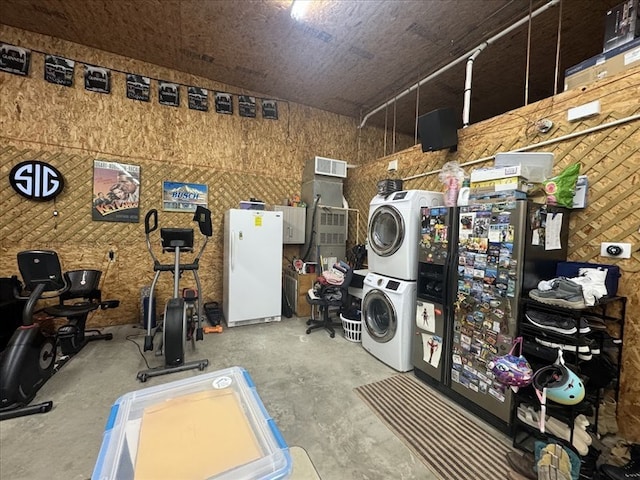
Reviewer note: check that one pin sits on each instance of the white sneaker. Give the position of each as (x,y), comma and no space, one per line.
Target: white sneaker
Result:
(593,284)
(562,430)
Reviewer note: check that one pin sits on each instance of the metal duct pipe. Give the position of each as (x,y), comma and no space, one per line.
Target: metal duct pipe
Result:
(463,57)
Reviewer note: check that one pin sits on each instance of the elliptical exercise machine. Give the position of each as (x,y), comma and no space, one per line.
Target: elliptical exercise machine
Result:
(178,320)
(29,359)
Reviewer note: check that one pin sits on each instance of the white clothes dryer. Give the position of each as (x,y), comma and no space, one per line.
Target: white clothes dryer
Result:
(388,313)
(393,232)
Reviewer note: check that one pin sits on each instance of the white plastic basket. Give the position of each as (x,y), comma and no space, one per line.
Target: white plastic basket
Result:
(352,329)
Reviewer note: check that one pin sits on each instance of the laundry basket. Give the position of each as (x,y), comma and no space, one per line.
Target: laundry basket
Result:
(352,329)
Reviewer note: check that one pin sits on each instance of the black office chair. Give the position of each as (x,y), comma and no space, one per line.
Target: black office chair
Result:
(331,297)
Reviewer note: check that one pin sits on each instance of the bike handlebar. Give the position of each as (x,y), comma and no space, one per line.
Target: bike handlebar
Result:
(147,227)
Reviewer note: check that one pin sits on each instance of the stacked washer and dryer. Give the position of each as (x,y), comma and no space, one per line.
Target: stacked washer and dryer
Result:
(390,287)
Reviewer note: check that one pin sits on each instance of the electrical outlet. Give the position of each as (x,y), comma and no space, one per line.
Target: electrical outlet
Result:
(615,250)
(393,165)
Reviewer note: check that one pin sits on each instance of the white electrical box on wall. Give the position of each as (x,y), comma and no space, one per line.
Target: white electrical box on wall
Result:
(584,111)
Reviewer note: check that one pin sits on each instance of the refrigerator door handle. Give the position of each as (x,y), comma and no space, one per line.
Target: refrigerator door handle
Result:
(233,250)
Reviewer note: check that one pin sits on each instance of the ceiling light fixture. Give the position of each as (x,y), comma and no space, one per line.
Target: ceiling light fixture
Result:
(299,9)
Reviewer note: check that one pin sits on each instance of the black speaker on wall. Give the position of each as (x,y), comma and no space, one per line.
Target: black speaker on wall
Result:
(437,130)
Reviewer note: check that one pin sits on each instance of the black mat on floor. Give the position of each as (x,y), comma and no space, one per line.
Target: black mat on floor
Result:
(447,442)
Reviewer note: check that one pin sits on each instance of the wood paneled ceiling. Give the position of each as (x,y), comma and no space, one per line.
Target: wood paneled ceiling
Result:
(345,56)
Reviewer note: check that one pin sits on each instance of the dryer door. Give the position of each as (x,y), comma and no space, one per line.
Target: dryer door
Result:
(386,231)
(380,318)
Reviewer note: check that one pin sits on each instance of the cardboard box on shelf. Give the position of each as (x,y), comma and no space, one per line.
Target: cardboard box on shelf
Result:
(603,65)
(501,184)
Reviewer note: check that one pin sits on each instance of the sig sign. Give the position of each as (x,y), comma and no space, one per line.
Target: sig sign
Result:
(36,180)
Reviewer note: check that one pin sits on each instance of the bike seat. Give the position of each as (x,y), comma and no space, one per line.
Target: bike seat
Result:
(71,310)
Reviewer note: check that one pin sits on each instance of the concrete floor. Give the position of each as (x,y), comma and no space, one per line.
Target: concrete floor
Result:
(305,381)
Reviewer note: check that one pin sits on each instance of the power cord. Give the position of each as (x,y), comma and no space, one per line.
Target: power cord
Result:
(131,339)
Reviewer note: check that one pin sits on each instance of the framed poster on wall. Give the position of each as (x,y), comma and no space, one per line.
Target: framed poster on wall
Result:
(97,79)
(224,103)
(138,87)
(198,98)
(269,109)
(183,197)
(169,94)
(14,59)
(116,192)
(59,70)
(247,106)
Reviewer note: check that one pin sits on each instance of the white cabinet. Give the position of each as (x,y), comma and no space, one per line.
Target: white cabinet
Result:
(293,223)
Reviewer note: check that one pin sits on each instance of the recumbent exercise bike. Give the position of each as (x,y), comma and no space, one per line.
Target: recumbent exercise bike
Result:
(29,359)
(179,321)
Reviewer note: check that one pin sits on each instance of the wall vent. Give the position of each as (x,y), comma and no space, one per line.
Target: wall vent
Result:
(330,167)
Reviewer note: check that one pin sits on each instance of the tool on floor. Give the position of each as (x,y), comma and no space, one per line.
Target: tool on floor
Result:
(216,329)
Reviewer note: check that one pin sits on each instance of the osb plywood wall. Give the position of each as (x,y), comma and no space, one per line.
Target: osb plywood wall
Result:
(240,158)
(610,157)
(69,127)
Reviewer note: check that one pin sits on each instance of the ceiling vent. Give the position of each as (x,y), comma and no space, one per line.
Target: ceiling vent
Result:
(331,167)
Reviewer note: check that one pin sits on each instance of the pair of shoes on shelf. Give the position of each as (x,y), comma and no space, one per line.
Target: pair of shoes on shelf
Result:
(584,347)
(581,438)
(629,471)
(591,280)
(557,323)
(563,293)
(618,455)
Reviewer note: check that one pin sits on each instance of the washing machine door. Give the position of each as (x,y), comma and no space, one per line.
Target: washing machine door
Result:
(380,318)
(386,231)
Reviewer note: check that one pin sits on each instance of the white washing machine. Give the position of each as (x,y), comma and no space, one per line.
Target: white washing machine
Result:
(388,313)
(393,233)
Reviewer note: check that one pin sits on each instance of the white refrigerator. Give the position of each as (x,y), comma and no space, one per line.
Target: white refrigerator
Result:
(252,277)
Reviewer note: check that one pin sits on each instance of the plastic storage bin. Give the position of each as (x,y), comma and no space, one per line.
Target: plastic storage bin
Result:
(212,426)
(536,166)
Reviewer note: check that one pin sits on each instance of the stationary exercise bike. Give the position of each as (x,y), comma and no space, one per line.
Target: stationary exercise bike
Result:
(29,359)
(178,313)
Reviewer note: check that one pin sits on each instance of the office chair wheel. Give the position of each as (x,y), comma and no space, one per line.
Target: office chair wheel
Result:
(308,331)
(332,334)
(309,322)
